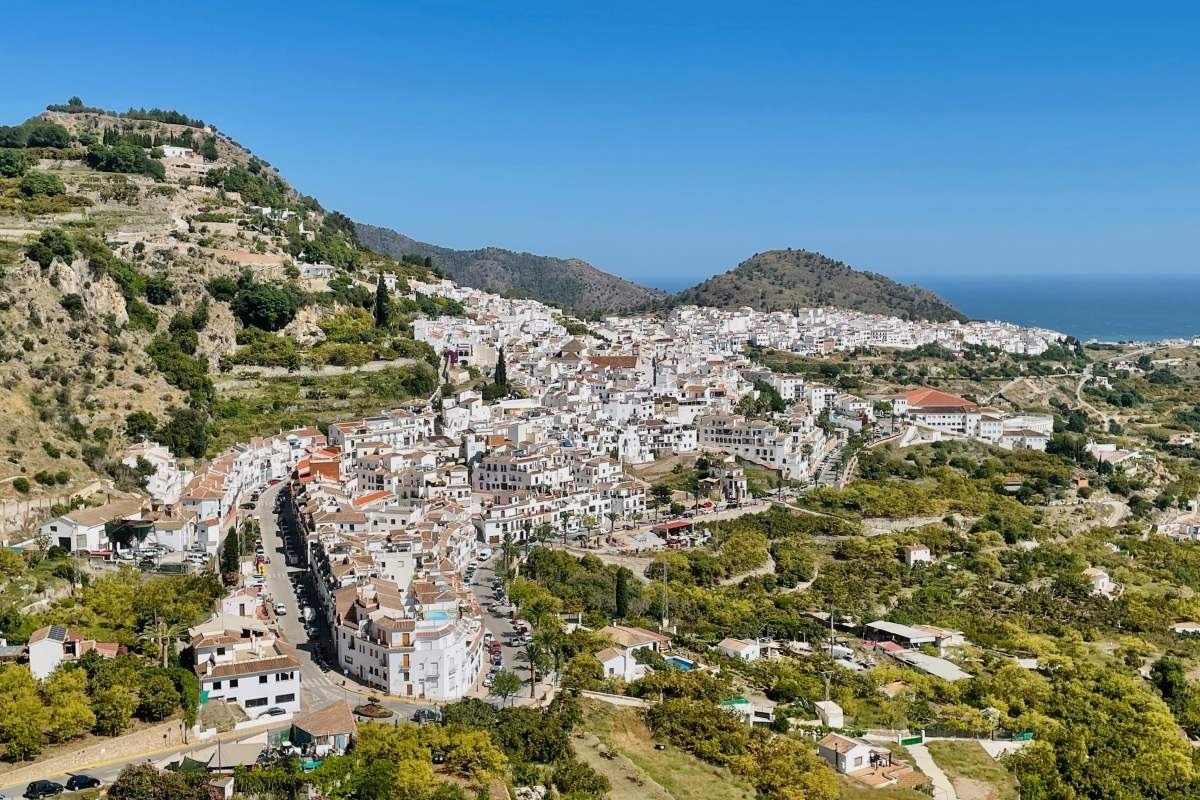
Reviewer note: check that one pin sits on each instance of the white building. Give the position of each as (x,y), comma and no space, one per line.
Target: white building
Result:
(239,660)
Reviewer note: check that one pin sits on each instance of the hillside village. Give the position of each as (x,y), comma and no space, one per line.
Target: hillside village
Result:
(327,488)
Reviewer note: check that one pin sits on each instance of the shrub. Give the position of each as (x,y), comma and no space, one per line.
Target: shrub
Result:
(12,163)
(73,304)
(160,290)
(266,306)
(21,485)
(41,183)
(52,243)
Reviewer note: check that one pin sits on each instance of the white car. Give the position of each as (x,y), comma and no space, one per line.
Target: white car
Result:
(485,554)
(280,610)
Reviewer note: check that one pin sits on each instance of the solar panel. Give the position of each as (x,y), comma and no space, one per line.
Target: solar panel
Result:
(58,633)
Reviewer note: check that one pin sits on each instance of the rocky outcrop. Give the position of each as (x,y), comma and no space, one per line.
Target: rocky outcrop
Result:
(102,297)
(219,337)
(305,328)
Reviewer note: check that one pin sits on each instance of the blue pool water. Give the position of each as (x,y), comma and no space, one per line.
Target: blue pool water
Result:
(678,663)
(437,615)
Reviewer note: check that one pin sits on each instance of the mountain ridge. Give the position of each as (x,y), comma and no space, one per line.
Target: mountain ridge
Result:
(571,283)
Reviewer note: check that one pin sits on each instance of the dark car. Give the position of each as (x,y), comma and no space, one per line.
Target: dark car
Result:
(423,715)
(77,782)
(274,711)
(39,789)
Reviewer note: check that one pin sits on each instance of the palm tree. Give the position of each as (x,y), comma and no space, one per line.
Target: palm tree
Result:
(163,633)
(531,654)
(506,554)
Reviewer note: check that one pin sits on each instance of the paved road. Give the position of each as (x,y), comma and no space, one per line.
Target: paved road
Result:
(109,771)
(497,623)
(316,687)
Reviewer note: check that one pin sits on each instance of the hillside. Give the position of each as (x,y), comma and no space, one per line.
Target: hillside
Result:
(566,282)
(782,279)
(156,281)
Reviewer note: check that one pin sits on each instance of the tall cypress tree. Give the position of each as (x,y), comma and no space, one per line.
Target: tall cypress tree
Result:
(501,378)
(382,312)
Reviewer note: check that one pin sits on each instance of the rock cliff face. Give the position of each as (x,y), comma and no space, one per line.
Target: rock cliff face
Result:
(219,337)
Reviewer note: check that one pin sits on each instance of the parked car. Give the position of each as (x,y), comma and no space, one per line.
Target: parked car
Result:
(77,782)
(273,711)
(485,554)
(280,610)
(40,789)
(423,715)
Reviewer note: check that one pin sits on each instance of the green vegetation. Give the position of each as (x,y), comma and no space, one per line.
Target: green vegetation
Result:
(41,183)
(781,280)
(34,133)
(283,403)
(98,694)
(255,186)
(126,158)
(968,760)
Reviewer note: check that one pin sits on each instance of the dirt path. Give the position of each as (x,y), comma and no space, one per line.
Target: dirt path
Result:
(764,569)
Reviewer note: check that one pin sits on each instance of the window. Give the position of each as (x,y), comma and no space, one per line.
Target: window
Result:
(284,698)
(220,651)
(233,682)
(216,685)
(262,678)
(283,676)
(256,702)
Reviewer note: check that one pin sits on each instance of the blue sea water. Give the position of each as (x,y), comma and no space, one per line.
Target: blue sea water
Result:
(1105,307)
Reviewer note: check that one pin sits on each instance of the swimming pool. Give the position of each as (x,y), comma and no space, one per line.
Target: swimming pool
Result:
(680,663)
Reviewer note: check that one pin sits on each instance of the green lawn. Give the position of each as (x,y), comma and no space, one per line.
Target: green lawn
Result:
(967,760)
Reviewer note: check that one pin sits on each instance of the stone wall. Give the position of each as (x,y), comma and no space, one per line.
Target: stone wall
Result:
(148,741)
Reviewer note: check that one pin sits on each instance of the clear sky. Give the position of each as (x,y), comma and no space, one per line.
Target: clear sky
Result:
(667,141)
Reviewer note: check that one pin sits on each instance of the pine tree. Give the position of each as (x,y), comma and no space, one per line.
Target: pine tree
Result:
(382,312)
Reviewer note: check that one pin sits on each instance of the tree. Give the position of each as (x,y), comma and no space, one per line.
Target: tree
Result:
(113,706)
(661,494)
(533,655)
(41,183)
(46,134)
(506,684)
(158,697)
(500,379)
(162,632)
(208,148)
(265,306)
(382,310)
(473,754)
(573,778)
(622,590)
(51,244)
(12,163)
(23,714)
(231,554)
(582,672)
(144,782)
(140,425)
(66,698)
(160,290)
(186,433)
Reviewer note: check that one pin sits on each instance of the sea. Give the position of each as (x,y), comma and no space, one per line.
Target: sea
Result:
(1112,308)
(1102,307)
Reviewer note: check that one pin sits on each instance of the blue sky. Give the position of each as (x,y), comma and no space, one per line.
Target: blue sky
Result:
(668,141)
